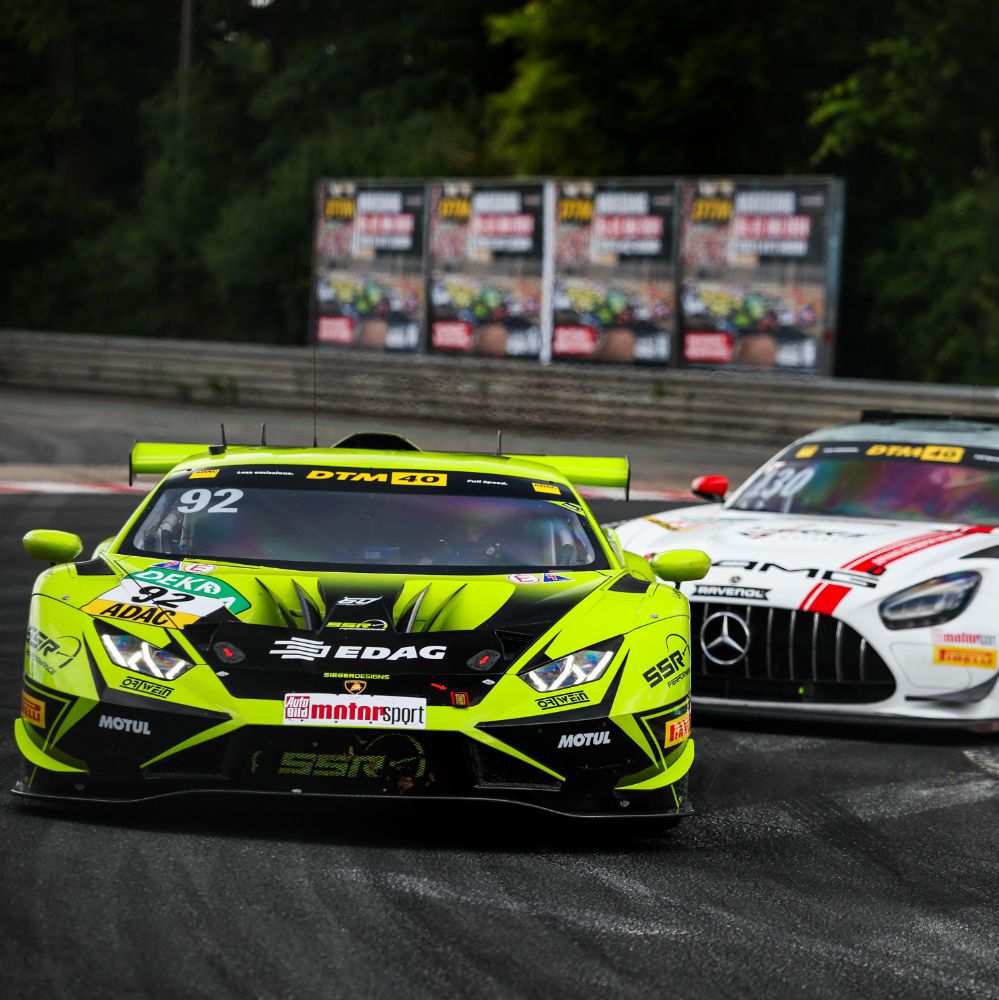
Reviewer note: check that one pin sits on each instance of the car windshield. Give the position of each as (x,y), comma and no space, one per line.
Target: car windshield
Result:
(367,521)
(868,479)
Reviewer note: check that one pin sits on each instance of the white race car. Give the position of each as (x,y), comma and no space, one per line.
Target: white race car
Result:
(855,575)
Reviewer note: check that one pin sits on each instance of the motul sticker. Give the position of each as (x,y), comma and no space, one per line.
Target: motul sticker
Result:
(321,709)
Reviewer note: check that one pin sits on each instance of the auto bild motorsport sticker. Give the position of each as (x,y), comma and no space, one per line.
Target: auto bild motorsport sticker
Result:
(322,709)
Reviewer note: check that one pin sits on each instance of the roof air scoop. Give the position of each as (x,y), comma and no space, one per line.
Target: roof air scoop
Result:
(376,441)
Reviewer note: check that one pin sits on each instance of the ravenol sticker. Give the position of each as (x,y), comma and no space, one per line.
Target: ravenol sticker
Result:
(204,474)
(546,488)
(32,710)
(561,700)
(964,656)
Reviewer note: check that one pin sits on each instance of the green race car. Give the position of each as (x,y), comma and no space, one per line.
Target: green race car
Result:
(362,620)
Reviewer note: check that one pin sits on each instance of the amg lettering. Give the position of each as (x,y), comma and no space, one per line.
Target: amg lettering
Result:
(844,577)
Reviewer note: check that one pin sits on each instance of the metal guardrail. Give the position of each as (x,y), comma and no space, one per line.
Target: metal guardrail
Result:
(735,406)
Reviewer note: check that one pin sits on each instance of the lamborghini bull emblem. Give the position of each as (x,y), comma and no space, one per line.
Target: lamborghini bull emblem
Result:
(355,686)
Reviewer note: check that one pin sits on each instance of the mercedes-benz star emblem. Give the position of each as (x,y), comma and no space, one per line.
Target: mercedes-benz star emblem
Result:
(724,638)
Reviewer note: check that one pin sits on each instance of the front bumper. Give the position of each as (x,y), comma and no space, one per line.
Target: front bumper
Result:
(351,763)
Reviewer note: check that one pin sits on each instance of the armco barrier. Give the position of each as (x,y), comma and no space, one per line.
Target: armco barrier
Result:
(750,407)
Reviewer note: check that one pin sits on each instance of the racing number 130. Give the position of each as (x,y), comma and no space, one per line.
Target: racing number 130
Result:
(194,500)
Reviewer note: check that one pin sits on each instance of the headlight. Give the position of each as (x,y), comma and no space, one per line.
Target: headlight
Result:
(931,602)
(143,657)
(569,671)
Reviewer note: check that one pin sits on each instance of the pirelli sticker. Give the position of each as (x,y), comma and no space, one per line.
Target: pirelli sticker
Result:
(32,710)
(204,474)
(547,488)
(677,730)
(389,477)
(964,656)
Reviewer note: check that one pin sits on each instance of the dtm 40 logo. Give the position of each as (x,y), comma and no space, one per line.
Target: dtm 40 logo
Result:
(675,665)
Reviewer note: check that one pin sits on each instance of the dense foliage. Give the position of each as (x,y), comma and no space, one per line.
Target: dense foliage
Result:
(140,199)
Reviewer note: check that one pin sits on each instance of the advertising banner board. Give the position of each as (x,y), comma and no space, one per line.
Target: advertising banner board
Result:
(758,262)
(614,293)
(368,275)
(485,264)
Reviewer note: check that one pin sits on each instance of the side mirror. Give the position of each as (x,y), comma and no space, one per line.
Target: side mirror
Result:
(681,564)
(710,488)
(637,566)
(52,546)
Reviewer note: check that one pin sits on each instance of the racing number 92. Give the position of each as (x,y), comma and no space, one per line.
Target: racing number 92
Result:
(194,500)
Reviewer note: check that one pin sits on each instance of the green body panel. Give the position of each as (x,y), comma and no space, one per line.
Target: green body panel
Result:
(65,659)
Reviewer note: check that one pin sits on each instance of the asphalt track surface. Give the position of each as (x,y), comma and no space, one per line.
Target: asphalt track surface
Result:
(821,862)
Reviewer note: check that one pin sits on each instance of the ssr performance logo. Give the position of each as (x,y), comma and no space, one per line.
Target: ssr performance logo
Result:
(322,709)
(674,666)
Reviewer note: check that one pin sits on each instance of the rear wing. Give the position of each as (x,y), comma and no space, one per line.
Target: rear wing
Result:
(581,470)
(160,457)
(585,470)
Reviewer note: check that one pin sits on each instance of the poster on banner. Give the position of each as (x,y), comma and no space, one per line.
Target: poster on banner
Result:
(755,280)
(368,275)
(614,292)
(486,244)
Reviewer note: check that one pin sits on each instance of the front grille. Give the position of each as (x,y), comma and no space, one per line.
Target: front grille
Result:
(798,656)
(495,769)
